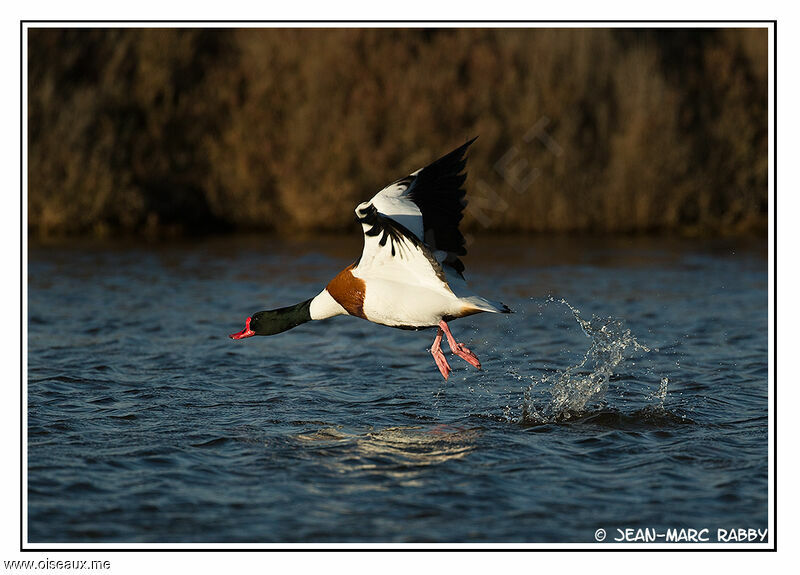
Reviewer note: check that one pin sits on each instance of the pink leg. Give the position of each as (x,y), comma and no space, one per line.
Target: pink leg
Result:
(438,356)
(459,349)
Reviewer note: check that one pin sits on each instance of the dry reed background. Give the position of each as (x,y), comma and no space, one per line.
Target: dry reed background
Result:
(167,132)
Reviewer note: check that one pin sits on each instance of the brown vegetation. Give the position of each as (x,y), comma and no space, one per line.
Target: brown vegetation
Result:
(137,131)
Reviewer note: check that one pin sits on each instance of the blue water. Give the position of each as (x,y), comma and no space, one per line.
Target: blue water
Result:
(629,390)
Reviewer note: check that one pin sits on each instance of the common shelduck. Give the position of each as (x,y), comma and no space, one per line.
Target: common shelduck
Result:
(409,275)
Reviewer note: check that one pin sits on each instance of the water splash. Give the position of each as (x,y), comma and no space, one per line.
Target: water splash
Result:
(585,384)
(661,394)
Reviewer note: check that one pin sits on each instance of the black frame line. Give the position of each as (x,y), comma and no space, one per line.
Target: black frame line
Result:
(593,547)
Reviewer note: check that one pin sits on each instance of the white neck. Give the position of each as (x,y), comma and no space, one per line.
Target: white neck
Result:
(324,306)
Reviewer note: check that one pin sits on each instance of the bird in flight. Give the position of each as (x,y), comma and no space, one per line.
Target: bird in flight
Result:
(409,275)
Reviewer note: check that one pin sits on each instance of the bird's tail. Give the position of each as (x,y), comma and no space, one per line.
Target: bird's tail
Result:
(483,304)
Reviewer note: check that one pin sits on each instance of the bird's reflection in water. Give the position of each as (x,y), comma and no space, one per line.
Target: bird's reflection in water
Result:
(397,453)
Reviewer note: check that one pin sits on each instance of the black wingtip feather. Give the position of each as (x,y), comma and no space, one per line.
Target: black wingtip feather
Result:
(438,193)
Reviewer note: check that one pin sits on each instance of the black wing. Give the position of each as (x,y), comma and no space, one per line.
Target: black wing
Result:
(437,191)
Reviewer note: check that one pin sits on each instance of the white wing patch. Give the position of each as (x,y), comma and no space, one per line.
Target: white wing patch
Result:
(393,252)
(403,211)
(393,202)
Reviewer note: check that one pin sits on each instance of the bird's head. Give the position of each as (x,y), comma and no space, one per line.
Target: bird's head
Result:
(274,321)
